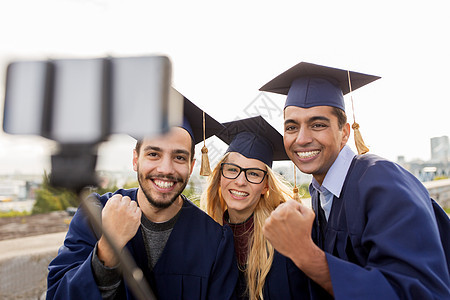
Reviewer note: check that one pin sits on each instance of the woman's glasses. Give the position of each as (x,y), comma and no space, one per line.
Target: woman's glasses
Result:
(232,171)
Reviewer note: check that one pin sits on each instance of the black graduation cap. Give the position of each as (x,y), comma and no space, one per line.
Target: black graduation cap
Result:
(199,124)
(308,85)
(254,138)
(196,122)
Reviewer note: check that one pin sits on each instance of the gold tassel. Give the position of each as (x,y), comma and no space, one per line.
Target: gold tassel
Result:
(296,195)
(360,145)
(295,190)
(205,169)
(359,142)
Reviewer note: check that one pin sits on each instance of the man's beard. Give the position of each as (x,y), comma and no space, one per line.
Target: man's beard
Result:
(159,204)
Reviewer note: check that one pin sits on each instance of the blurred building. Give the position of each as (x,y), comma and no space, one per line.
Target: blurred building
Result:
(17,194)
(440,149)
(437,167)
(440,191)
(13,190)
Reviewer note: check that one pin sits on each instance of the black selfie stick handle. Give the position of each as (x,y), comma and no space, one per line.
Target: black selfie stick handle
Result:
(73,168)
(132,274)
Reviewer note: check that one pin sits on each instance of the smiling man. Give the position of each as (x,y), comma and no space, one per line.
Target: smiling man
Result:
(183,253)
(373,233)
(163,167)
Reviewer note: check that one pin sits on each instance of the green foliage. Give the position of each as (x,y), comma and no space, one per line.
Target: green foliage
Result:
(49,198)
(191,194)
(303,191)
(113,187)
(13,213)
(104,190)
(131,184)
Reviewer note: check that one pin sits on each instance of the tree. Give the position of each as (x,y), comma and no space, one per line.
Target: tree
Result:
(303,190)
(49,198)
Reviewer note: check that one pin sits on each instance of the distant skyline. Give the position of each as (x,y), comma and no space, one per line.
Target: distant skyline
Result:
(222,53)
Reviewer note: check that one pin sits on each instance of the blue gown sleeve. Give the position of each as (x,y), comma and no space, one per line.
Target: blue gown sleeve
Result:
(70,273)
(394,235)
(224,274)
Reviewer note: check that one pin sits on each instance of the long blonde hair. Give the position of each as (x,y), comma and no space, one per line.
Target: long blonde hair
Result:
(261,252)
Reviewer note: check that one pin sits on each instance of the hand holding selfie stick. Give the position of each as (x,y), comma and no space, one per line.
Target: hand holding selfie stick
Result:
(73,168)
(78,103)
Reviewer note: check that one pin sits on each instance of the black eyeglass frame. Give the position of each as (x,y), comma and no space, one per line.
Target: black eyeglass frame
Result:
(242,170)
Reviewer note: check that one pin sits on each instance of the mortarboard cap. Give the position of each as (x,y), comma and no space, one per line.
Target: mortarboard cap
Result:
(254,138)
(193,122)
(307,85)
(200,126)
(193,118)
(197,123)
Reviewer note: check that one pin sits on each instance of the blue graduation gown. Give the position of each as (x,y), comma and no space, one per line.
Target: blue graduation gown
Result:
(197,262)
(382,240)
(285,280)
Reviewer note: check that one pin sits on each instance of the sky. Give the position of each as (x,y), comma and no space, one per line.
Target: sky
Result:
(223,52)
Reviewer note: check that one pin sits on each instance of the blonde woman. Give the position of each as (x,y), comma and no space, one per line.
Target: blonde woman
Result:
(242,192)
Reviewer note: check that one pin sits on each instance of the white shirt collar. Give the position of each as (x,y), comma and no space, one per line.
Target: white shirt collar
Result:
(335,177)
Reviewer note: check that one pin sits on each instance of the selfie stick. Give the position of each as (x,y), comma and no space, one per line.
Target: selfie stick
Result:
(73,168)
(78,103)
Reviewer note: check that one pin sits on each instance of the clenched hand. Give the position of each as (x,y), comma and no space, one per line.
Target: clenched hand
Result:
(121,218)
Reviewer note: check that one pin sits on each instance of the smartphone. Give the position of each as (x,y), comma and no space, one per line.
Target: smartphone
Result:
(83,101)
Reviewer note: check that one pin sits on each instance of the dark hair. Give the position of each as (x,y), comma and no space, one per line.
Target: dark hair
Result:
(341,116)
(139,145)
